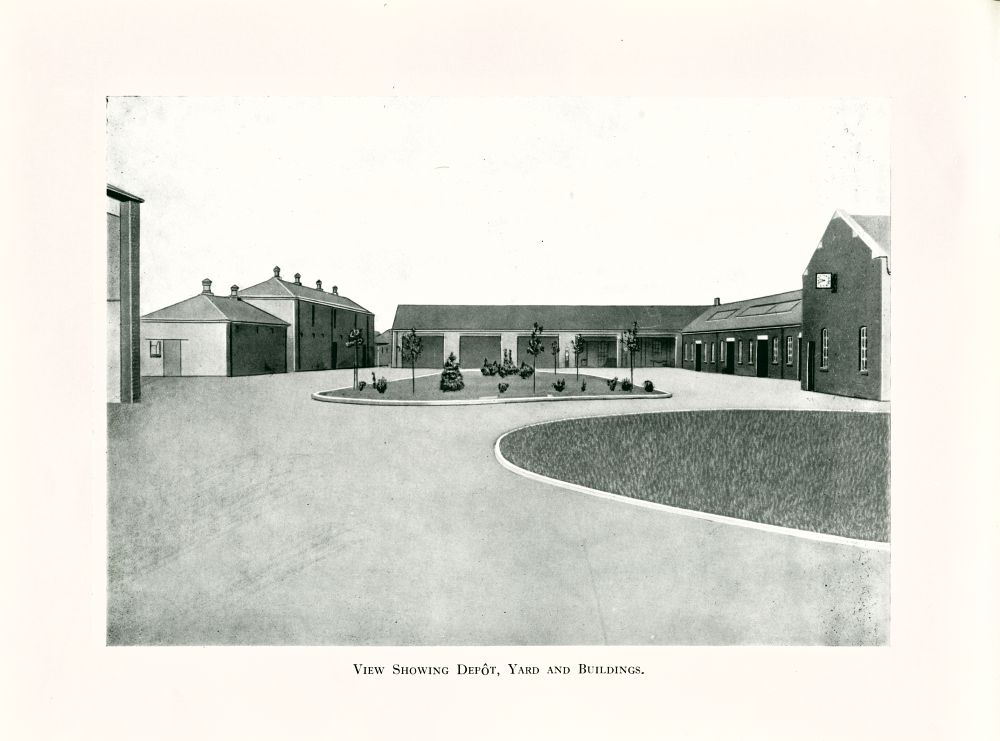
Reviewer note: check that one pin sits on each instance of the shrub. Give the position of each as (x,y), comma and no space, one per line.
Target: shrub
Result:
(626,385)
(503,386)
(381,385)
(559,385)
(648,386)
(361,385)
(583,385)
(526,371)
(487,369)
(613,383)
(451,376)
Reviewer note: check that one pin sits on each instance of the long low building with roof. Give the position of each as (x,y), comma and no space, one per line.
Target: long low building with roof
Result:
(754,337)
(477,333)
(209,335)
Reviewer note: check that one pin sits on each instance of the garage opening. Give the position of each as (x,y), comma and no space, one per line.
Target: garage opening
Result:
(474,349)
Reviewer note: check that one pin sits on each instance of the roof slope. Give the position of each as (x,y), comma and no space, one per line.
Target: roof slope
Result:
(776,310)
(121,195)
(877,228)
(275,287)
(206,307)
(552,317)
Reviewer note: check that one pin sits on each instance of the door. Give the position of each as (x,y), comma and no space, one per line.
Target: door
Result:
(474,349)
(697,355)
(730,357)
(171,357)
(762,358)
(810,366)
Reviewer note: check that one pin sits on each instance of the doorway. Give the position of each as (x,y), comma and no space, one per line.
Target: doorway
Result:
(762,356)
(171,357)
(810,366)
(730,357)
(698,350)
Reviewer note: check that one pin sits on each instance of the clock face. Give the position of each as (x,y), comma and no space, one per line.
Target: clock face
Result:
(824,280)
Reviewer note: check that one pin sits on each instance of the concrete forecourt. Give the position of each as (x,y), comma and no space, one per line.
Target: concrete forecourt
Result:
(241,511)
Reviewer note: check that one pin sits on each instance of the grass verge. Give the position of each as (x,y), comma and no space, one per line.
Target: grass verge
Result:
(826,472)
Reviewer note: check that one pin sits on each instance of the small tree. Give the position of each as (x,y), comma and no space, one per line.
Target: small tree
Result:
(412,347)
(578,345)
(630,344)
(535,347)
(355,339)
(451,376)
(555,355)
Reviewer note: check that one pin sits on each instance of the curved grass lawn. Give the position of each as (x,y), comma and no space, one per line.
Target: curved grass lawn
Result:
(826,472)
(478,386)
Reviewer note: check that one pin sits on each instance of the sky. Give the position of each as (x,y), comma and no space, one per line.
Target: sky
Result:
(493,200)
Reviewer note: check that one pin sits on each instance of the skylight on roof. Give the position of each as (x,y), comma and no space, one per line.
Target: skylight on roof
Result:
(724,314)
(757,309)
(784,306)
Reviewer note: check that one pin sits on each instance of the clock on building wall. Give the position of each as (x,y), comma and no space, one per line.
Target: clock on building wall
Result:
(826,280)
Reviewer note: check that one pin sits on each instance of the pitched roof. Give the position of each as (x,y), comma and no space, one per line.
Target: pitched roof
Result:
(873,230)
(122,195)
(206,307)
(776,310)
(384,338)
(275,287)
(552,317)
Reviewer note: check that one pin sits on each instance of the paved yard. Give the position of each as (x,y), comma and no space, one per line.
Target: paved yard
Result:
(241,511)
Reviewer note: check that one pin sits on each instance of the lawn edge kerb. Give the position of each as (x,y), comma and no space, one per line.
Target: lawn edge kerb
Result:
(320,396)
(874,545)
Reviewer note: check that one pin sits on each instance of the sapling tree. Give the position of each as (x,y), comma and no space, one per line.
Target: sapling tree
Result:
(412,347)
(630,344)
(555,355)
(355,339)
(451,376)
(578,345)
(535,347)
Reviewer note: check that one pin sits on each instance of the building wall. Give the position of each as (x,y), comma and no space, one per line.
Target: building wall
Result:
(256,349)
(860,300)
(322,333)
(781,369)
(284,309)
(204,347)
(123,300)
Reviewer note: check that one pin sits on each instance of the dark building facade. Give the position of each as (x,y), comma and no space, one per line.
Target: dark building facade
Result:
(755,337)
(845,315)
(318,321)
(123,296)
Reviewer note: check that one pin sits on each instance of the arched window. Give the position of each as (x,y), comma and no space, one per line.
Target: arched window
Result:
(863,350)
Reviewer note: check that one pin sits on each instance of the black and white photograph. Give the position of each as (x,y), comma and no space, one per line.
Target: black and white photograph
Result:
(369,449)
(517,370)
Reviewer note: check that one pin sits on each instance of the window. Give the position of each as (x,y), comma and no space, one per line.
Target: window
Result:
(722,351)
(775,351)
(863,350)
(657,347)
(752,349)
(825,348)
(789,352)
(602,353)
(739,352)
(313,319)
(155,349)
(713,352)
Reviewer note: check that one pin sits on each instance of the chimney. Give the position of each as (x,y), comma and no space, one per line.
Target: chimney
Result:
(298,279)
(277,272)
(206,287)
(334,290)
(716,301)
(233,292)
(319,285)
